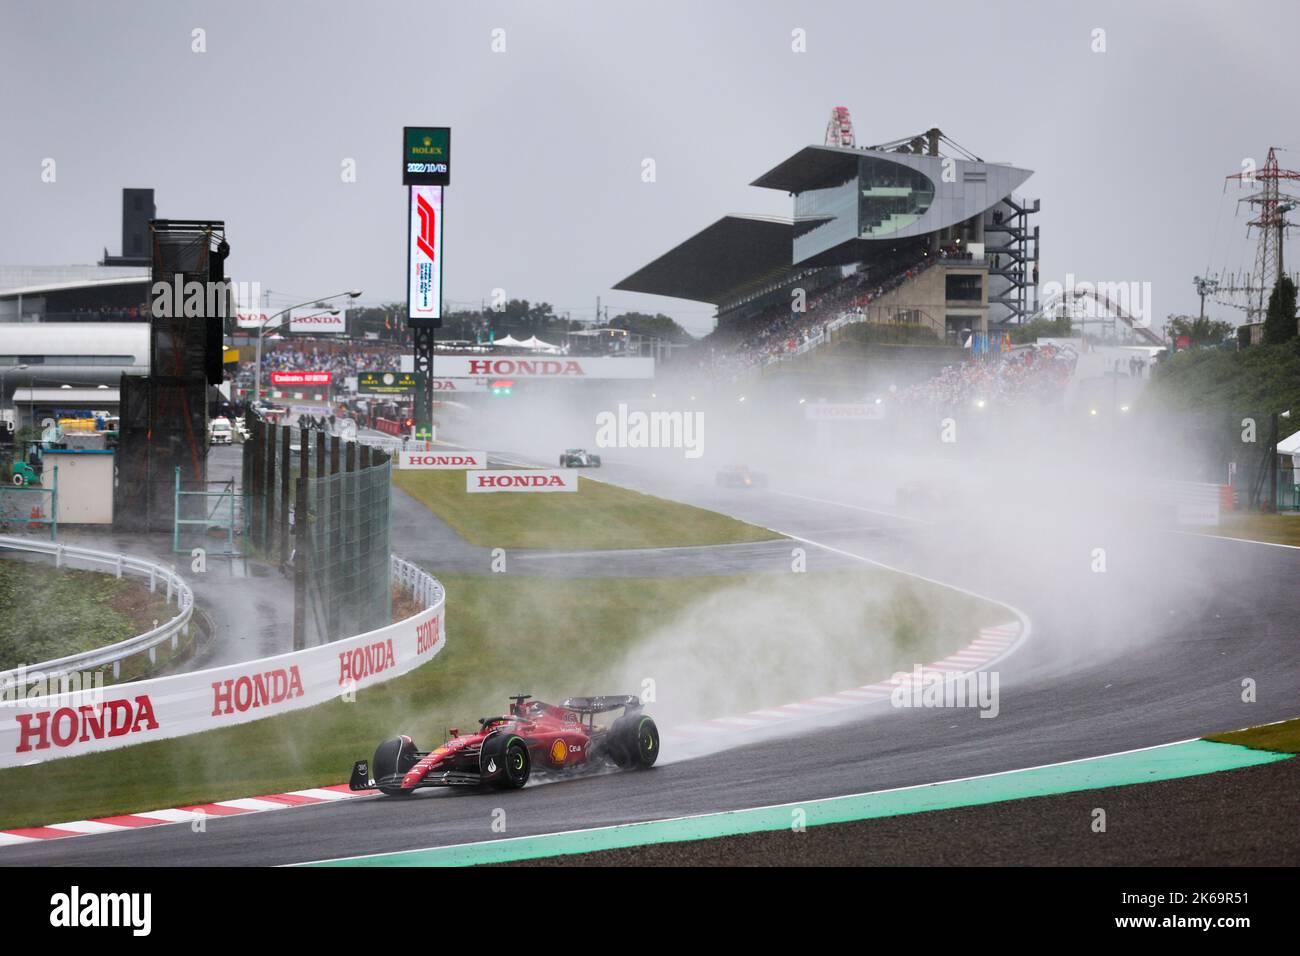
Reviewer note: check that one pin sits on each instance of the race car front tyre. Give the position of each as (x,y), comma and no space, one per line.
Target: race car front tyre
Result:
(504,761)
(396,755)
(518,765)
(634,742)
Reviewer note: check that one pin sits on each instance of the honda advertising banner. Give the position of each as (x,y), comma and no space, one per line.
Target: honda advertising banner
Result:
(442,460)
(562,367)
(251,318)
(480,482)
(319,321)
(460,385)
(38,728)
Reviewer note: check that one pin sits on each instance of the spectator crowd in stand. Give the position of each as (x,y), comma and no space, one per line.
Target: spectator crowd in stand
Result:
(340,358)
(779,332)
(1028,375)
(100,314)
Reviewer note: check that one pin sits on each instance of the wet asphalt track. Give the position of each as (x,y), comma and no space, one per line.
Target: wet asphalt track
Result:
(1209,613)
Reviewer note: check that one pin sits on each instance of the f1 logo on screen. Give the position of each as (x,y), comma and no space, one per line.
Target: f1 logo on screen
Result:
(428,221)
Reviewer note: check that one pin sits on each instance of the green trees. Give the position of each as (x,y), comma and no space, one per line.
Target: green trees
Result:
(1280,321)
(659,326)
(1041,328)
(1199,330)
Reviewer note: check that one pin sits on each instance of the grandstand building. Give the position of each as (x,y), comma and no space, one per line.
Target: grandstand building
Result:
(68,333)
(900,233)
(114,290)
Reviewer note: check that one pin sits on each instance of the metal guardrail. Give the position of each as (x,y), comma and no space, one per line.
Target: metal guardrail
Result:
(113,654)
(423,586)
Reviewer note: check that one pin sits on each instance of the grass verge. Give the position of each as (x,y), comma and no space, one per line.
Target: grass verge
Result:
(550,638)
(1283,738)
(1277,529)
(596,516)
(47,613)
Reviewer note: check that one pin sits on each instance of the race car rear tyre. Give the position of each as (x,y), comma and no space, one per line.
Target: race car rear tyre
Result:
(634,742)
(396,755)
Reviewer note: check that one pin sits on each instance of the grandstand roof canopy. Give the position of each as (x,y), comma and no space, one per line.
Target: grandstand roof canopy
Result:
(99,397)
(813,167)
(48,287)
(721,262)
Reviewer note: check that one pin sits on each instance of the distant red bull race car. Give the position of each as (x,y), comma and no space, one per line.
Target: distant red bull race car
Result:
(549,739)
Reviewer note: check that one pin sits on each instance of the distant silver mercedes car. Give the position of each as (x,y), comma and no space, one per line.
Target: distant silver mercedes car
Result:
(579,458)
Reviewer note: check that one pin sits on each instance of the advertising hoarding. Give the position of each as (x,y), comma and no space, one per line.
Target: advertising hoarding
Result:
(426,156)
(251,318)
(442,459)
(424,258)
(562,367)
(300,378)
(319,321)
(520,480)
(387,383)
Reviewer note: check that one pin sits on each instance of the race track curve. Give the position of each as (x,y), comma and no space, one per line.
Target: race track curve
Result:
(1148,654)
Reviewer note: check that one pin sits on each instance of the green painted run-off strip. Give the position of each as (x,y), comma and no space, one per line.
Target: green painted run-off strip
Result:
(1187,759)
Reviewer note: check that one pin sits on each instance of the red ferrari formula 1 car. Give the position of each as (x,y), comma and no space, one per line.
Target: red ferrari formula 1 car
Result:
(550,739)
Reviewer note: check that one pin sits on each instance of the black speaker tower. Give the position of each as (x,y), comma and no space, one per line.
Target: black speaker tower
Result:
(164,417)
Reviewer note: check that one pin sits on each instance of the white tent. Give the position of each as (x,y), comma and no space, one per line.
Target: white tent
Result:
(507,341)
(535,343)
(1291,446)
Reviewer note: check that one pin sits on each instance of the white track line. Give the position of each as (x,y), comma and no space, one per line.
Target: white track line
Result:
(1224,537)
(777,806)
(844,504)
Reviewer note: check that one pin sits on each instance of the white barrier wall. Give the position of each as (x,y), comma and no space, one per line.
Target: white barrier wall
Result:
(1196,503)
(64,725)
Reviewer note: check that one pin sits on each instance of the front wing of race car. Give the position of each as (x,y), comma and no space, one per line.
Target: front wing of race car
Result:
(361,779)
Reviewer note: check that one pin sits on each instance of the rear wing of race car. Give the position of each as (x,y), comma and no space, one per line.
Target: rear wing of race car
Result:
(601,705)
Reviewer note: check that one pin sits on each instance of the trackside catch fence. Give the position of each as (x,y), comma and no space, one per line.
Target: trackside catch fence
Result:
(318,507)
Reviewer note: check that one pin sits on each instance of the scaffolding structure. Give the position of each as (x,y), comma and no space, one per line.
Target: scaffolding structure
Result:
(1014,258)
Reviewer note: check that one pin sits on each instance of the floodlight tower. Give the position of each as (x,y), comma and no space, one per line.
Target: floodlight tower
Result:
(1205,287)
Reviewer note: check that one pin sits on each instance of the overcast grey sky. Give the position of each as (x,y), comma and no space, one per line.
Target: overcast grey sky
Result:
(547,202)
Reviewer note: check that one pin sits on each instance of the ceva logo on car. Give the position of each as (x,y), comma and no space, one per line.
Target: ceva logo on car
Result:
(68,725)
